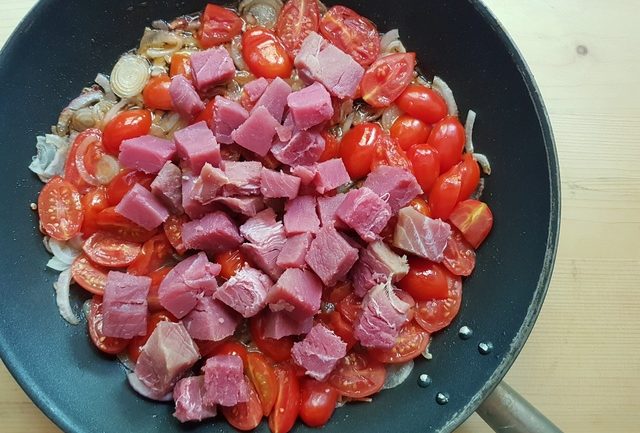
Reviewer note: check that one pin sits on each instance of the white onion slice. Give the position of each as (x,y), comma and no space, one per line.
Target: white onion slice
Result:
(484,162)
(63,297)
(106,169)
(390,43)
(103,81)
(144,391)
(57,265)
(80,153)
(64,253)
(129,75)
(397,374)
(468,130)
(113,111)
(445,91)
(479,190)
(389,116)
(426,354)
(126,362)
(86,99)
(235,51)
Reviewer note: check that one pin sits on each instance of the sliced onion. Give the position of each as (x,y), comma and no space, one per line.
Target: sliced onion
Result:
(113,111)
(50,158)
(126,362)
(390,43)
(484,162)
(389,116)
(479,190)
(144,390)
(63,297)
(82,169)
(468,130)
(159,43)
(57,265)
(86,99)
(45,241)
(65,252)
(103,81)
(426,354)
(397,374)
(445,91)
(64,120)
(235,52)
(106,169)
(130,75)
(261,12)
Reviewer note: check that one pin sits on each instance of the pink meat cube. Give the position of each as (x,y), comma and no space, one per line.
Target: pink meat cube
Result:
(211,320)
(310,106)
(248,206)
(330,256)
(167,186)
(188,397)
(304,148)
(331,174)
(300,216)
(306,173)
(166,356)
(124,305)
(212,66)
(186,100)
(263,257)
(298,292)
(294,251)
(327,207)
(227,116)
(365,212)
(143,208)
(245,292)
(257,132)
(397,185)
(285,132)
(254,89)
(181,288)
(378,263)
(279,324)
(275,184)
(213,233)
(244,177)
(274,98)
(197,145)
(192,207)
(146,153)
(209,184)
(420,235)
(224,381)
(319,352)
(267,239)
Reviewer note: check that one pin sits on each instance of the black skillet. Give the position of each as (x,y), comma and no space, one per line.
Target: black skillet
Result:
(60,47)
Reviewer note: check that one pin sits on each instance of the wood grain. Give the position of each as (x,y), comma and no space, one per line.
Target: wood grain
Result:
(581,366)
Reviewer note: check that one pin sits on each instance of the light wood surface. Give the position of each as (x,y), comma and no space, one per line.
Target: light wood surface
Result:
(581,365)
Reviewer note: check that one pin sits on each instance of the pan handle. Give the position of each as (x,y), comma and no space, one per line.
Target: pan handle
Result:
(507,411)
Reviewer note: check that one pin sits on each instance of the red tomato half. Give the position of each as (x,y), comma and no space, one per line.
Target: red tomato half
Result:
(444,194)
(423,103)
(155,254)
(437,314)
(426,165)
(124,181)
(135,345)
(426,280)
(388,152)
(60,209)
(448,138)
(459,256)
(264,54)
(287,406)
(173,230)
(350,307)
(90,139)
(156,94)
(218,26)
(421,206)
(245,416)
(469,175)
(278,350)
(340,326)
(88,275)
(93,202)
(474,220)
(297,20)
(317,402)
(230,262)
(110,251)
(232,347)
(181,65)
(263,376)
(409,131)
(411,343)
(109,345)
(357,375)
(125,125)
(331,147)
(358,148)
(387,78)
(153,298)
(352,33)
(206,115)
(112,222)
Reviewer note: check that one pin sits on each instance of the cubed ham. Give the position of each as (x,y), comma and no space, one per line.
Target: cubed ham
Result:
(213,233)
(188,397)
(263,257)
(124,305)
(266,237)
(181,288)
(167,186)
(224,381)
(166,356)
(248,206)
(184,97)
(143,208)
(301,216)
(244,177)
(211,320)
(146,153)
(209,184)
(298,292)
(245,292)
(331,174)
(377,264)
(327,207)
(192,207)
(294,251)
(420,235)
(257,132)
(227,116)
(255,88)
(319,352)
(274,98)
(306,173)
(364,212)
(318,60)
(210,67)
(310,106)
(285,132)
(330,256)
(304,148)
(275,184)
(279,324)
(196,145)
(394,184)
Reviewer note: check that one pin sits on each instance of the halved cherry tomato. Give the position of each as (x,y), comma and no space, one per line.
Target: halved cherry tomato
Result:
(340,326)
(87,139)
(260,370)
(60,209)
(231,262)
(358,375)
(181,65)
(474,220)
(264,54)
(278,350)
(421,206)
(155,254)
(409,131)
(125,125)
(245,416)
(387,78)
(426,280)
(93,202)
(88,275)
(156,94)
(207,348)
(107,250)
(153,298)
(350,307)
(206,115)
(112,222)
(469,175)
(448,138)
(124,181)
(287,406)
(352,33)
(444,194)
(218,26)
(331,147)
(317,402)
(338,292)
(426,165)
(388,152)
(437,314)
(232,347)
(459,256)
(135,345)
(423,103)
(173,229)
(297,20)
(109,345)
(411,342)
(358,147)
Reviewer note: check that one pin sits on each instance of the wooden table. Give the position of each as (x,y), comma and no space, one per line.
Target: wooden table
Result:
(581,365)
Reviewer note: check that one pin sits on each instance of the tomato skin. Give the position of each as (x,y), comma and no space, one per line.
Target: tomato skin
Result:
(206,115)
(426,280)
(231,262)
(474,220)
(125,125)
(108,220)
(124,181)
(444,194)
(219,25)
(388,152)
(426,165)
(135,345)
(181,65)
(469,176)
(358,375)
(110,251)
(423,103)
(245,416)
(338,292)
(352,33)
(340,326)
(93,202)
(358,148)
(411,343)
(264,54)
(262,374)
(409,131)
(108,345)
(421,206)
(298,18)
(153,298)
(155,254)
(88,275)
(459,256)
(173,230)
(387,78)
(156,94)
(278,350)
(317,402)
(60,209)
(90,138)
(437,314)
(448,138)
(331,147)
(287,406)
(350,307)
(232,347)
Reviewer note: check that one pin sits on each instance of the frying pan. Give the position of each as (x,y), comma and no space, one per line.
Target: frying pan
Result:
(59,48)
